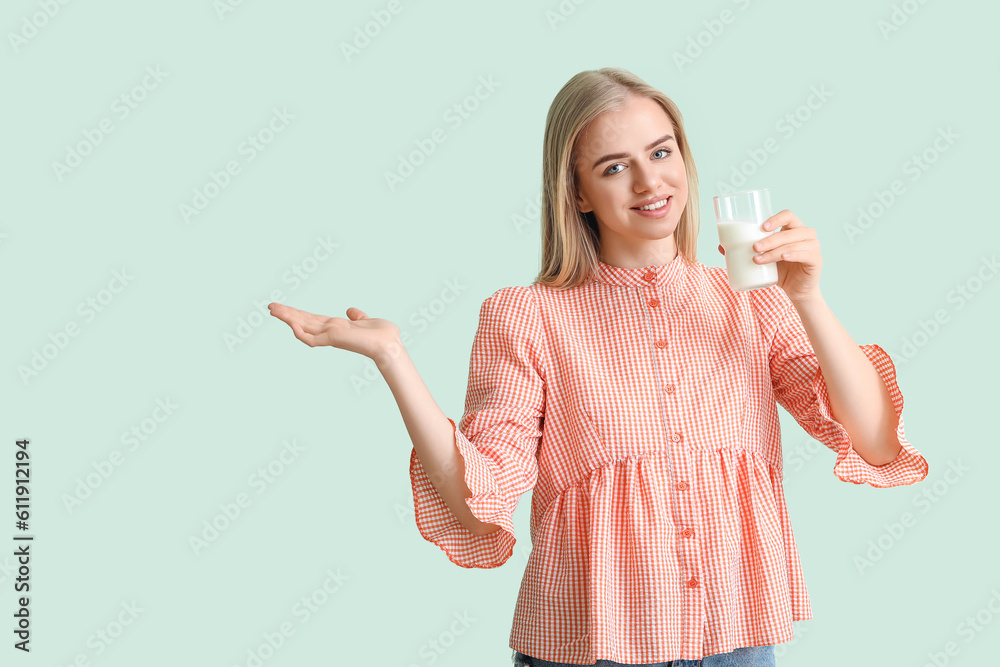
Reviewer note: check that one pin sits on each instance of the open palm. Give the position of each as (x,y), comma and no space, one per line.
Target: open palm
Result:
(365,335)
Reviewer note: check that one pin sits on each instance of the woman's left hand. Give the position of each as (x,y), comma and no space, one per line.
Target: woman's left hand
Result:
(796,250)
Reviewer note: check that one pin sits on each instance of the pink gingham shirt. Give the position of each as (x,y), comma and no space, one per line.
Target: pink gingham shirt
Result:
(640,409)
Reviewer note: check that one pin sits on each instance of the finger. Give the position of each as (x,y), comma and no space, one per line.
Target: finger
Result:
(282,312)
(301,322)
(806,252)
(304,336)
(784,218)
(285,313)
(314,325)
(801,251)
(783,236)
(356,314)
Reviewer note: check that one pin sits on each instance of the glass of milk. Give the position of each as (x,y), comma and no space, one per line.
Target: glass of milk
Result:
(738,217)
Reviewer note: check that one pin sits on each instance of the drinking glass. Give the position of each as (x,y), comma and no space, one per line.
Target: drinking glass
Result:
(738,218)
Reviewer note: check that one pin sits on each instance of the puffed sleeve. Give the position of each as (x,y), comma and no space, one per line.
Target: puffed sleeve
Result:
(800,388)
(498,434)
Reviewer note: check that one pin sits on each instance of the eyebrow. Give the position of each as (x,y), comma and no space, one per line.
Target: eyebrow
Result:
(616,156)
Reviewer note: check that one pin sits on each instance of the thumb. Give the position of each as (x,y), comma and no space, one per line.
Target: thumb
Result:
(356,314)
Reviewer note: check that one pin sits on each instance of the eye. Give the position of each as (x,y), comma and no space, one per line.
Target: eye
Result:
(608,172)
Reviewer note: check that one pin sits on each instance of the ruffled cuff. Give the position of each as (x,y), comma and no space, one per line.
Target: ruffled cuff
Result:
(438,524)
(908,467)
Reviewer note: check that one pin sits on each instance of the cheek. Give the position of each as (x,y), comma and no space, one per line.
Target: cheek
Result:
(679,178)
(609,193)
(679,171)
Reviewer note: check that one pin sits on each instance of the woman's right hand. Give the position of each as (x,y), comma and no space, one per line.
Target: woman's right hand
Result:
(372,337)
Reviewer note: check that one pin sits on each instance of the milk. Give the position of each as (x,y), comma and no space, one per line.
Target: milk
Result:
(738,239)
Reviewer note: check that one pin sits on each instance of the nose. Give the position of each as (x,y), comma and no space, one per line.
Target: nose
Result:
(646,178)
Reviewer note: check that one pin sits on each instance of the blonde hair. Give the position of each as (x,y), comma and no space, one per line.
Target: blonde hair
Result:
(570,242)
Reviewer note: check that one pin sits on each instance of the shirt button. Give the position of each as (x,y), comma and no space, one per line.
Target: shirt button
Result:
(649,275)
(653,303)
(670,388)
(676,437)
(687,532)
(682,486)
(693,582)
(661,343)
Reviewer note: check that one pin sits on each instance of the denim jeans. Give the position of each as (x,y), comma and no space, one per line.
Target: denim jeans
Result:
(752,656)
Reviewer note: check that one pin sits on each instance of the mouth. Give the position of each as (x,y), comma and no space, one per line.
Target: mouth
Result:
(654,205)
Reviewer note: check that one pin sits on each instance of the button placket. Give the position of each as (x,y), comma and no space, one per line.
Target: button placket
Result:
(687,532)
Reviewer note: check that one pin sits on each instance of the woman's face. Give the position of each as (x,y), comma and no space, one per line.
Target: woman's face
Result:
(625,158)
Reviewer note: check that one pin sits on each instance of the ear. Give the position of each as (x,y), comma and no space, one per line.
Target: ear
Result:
(582,205)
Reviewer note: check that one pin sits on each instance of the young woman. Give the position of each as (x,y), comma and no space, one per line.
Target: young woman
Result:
(635,393)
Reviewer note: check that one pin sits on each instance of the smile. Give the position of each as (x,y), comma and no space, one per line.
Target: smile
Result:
(653,206)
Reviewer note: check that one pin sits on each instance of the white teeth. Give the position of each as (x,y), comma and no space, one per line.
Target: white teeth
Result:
(653,207)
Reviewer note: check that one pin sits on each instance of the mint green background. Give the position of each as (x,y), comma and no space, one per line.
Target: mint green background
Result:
(345,503)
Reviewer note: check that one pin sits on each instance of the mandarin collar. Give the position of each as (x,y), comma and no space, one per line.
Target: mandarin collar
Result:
(657,275)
